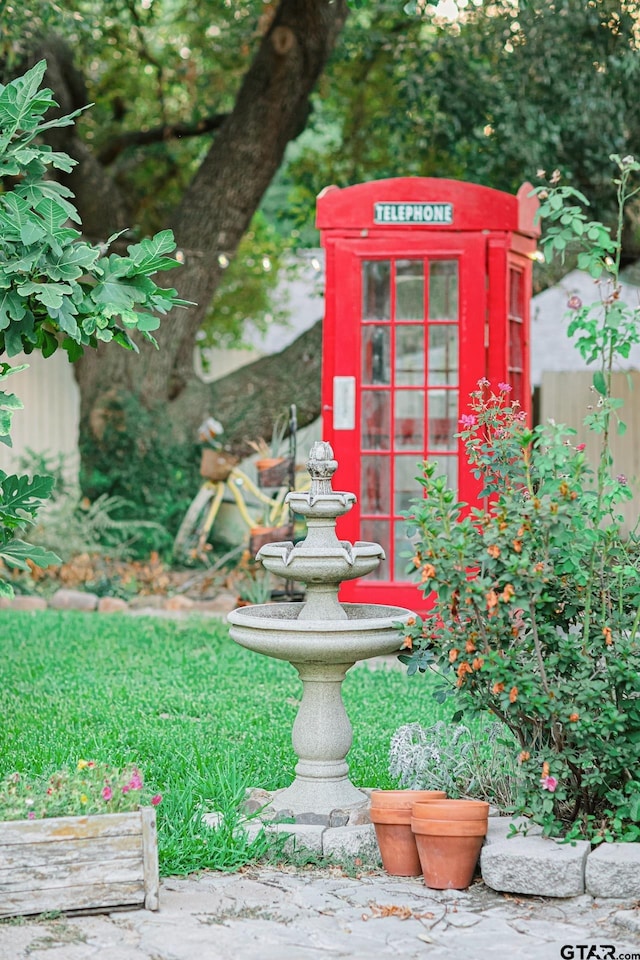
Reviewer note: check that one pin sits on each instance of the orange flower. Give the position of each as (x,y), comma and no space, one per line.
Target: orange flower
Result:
(453,655)
(513,694)
(428,571)
(494,551)
(416,561)
(517,546)
(492,599)
(574,717)
(497,688)
(407,644)
(411,622)
(608,639)
(539,567)
(470,646)
(524,755)
(478,663)
(508,592)
(545,769)
(464,668)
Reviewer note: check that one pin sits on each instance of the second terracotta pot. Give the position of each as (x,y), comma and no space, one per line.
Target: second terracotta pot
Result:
(443,809)
(449,836)
(391,816)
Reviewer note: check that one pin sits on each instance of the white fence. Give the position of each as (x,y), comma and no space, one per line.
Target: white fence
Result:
(49,422)
(566,398)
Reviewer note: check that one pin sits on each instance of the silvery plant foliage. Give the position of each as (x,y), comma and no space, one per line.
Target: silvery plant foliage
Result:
(433,758)
(452,758)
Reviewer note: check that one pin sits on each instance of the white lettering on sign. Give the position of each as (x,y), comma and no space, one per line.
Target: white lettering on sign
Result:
(344,403)
(424,214)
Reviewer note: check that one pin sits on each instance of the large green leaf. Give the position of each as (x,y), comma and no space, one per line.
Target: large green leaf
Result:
(16,552)
(21,494)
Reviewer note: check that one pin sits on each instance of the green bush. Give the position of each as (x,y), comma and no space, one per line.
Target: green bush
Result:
(136,461)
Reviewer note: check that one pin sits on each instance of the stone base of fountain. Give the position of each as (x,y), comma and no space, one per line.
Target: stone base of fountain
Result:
(271,807)
(342,836)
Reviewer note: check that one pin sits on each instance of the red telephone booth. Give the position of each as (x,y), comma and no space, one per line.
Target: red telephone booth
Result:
(428,285)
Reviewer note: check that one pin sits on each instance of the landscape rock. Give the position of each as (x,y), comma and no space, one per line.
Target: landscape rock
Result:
(535,866)
(178,603)
(112,605)
(73,600)
(351,842)
(498,828)
(147,602)
(613,870)
(23,602)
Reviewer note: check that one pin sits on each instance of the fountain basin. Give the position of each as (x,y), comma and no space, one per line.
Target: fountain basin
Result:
(274,629)
(325,564)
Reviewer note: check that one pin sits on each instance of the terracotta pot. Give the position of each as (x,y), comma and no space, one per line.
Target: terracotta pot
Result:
(448,851)
(391,816)
(404,798)
(449,836)
(451,810)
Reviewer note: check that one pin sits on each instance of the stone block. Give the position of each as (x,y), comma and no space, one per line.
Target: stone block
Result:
(299,835)
(23,602)
(178,603)
(146,602)
(498,828)
(73,600)
(351,842)
(613,870)
(112,605)
(535,866)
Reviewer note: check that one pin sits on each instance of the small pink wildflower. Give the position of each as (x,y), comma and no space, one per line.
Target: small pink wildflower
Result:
(580,447)
(31,815)
(574,302)
(505,387)
(107,793)
(156,800)
(483,382)
(136,780)
(549,783)
(126,788)
(468,420)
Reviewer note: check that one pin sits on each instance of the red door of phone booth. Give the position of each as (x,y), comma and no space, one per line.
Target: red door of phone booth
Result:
(428,284)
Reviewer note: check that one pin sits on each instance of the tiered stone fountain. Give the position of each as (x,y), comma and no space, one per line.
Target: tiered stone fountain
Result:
(321,637)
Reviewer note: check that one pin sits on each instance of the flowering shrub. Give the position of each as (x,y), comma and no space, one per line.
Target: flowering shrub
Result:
(537,594)
(90,788)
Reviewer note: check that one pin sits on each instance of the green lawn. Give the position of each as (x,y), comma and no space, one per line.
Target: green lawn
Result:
(202,717)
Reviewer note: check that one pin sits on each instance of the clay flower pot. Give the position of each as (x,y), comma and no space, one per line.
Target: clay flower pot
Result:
(391,816)
(449,836)
(444,809)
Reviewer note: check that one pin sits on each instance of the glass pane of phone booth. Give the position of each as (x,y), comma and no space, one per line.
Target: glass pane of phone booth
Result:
(409,399)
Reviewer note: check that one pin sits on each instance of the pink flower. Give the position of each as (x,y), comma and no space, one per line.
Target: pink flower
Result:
(136,780)
(505,387)
(107,793)
(574,302)
(468,420)
(126,788)
(156,800)
(549,783)
(580,447)
(31,815)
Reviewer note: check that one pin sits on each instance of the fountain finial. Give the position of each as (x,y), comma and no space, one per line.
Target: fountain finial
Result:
(321,466)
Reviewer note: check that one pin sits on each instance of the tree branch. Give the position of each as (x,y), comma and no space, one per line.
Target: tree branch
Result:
(171,131)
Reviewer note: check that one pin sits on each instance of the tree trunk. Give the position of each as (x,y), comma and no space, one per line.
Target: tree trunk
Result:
(272,107)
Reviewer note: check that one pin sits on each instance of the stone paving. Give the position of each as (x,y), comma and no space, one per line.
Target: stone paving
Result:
(263,913)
